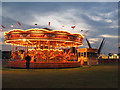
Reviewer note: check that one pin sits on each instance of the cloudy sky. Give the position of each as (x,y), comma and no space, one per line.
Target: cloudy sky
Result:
(100,19)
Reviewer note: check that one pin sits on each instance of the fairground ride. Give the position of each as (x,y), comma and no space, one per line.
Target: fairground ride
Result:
(47,48)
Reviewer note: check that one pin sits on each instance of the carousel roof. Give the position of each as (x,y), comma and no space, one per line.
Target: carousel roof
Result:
(33,36)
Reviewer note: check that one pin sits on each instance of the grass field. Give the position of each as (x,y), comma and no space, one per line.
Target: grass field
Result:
(100,76)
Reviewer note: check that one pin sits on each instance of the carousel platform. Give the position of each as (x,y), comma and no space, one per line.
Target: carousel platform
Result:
(37,65)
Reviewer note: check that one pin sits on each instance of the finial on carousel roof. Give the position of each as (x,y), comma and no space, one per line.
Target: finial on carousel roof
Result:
(47,29)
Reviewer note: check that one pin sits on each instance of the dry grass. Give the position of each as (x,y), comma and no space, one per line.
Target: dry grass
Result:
(100,76)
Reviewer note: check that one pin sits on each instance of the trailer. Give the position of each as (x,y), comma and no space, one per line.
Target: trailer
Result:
(87,56)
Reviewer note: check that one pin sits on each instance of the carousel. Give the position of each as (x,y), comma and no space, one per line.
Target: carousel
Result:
(47,48)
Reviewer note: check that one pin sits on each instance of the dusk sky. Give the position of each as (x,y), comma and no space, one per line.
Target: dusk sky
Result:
(100,19)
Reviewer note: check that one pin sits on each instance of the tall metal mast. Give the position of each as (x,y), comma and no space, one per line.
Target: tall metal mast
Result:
(101,46)
(88,43)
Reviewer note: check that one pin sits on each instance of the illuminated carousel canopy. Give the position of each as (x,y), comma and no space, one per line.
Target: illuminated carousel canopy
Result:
(38,36)
(47,48)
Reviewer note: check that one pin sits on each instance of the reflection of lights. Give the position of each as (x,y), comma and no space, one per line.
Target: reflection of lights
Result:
(57,44)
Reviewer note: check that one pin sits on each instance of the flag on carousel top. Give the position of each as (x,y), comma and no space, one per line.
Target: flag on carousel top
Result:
(49,23)
(19,23)
(73,27)
(35,24)
(2,26)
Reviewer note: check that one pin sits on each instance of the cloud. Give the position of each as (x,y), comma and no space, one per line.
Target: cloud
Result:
(92,42)
(61,1)
(108,36)
(113,26)
(99,18)
(94,39)
(109,14)
(108,20)
(95,18)
(64,18)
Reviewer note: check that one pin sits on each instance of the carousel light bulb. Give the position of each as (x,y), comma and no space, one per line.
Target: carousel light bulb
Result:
(12,25)
(0,29)
(24,39)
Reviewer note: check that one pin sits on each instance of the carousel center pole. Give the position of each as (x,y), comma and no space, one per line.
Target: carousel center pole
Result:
(39,44)
(48,49)
(13,48)
(36,45)
(27,48)
(10,52)
(43,44)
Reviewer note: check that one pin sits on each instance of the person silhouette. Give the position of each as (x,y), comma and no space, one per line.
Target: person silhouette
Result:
(27,58)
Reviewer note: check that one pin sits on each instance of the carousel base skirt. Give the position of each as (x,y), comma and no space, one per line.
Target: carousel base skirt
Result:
(35,65)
